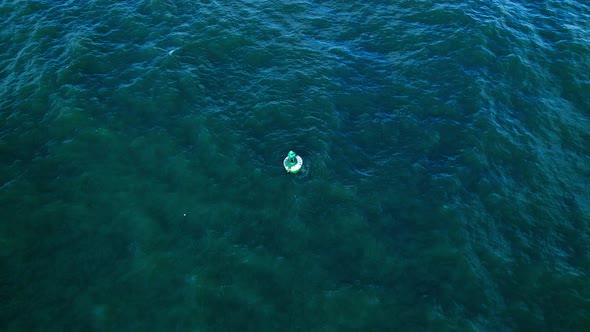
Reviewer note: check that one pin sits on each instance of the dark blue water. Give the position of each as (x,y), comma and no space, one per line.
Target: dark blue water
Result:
(445,181)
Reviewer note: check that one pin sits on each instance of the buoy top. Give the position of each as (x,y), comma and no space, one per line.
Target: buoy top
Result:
(291,159)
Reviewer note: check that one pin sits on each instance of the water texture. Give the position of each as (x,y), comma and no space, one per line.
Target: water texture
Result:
(445,184)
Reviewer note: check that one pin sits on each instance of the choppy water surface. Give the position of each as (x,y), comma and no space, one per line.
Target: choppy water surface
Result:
(445,185)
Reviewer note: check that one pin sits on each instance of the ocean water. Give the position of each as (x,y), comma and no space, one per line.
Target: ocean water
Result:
(446,165)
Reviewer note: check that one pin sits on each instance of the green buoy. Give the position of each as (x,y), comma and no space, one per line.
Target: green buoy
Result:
(293,163)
